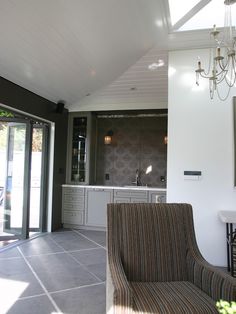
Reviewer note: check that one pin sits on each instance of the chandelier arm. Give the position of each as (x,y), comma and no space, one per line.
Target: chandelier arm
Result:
(221,79)
(222,65)
(204,76)
(226,96)
(231,81)
(230,84)
(223,70)
(223,74)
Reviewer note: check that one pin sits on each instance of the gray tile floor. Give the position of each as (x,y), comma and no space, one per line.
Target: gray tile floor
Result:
(61,272)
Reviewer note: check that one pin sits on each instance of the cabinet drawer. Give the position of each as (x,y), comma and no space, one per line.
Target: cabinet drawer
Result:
(73,206)
(73,199)
(74,217)
(121,199)
(130,200)
(73,191)
(131,193)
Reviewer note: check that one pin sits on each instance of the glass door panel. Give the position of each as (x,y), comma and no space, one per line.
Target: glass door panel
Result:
(13,202)
(35,180)
(3,145)
(38,178)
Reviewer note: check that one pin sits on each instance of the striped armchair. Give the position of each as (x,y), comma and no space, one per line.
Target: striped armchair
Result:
(154,265)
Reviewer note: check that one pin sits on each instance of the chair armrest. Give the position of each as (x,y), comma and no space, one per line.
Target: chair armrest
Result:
(210,279)
(118,288)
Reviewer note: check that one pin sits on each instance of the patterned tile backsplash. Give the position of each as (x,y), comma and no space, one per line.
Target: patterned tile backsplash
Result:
(136,144)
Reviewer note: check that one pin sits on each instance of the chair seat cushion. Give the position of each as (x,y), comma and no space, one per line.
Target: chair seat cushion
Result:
(171,298)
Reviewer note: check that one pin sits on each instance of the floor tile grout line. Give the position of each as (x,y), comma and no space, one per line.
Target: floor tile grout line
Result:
(89,271)
(7,258)
(92,248)
(24,241)
(56,307)
(54,253)
(76,231)
(20,242)
(80,287)
(32,296)
(44,254)
(65,251)
(80,264)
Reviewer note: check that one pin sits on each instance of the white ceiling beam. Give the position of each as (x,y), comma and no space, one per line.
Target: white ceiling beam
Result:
(199,6)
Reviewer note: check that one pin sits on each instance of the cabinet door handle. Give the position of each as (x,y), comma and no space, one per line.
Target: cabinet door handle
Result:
(98,189)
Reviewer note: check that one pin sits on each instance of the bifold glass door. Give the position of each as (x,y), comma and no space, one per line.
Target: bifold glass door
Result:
(24,192)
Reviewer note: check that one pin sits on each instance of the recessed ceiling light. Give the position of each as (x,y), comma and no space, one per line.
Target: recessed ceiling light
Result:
(156,65)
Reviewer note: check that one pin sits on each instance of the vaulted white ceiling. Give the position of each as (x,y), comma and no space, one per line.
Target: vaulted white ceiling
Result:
(65,50)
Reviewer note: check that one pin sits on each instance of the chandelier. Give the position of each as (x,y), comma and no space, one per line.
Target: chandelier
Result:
(222,61)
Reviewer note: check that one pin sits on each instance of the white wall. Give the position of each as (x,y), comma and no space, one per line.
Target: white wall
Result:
(200,137)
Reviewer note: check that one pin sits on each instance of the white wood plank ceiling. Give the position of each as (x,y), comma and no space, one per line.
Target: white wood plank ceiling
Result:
(136,88)
(64,50)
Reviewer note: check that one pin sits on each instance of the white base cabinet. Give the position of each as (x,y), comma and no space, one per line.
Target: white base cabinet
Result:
(96,201)
(130,196)
(86,207)
(73,205)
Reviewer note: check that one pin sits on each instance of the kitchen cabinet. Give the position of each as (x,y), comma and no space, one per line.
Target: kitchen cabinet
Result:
(130,196)
(96,201)
(73,205)
(85,207)
(78,156)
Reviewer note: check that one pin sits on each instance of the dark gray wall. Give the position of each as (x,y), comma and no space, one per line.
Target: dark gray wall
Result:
(137,143)
(17,97)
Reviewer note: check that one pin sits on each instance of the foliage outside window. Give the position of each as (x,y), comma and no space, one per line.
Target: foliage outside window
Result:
(225,307)
(6,114)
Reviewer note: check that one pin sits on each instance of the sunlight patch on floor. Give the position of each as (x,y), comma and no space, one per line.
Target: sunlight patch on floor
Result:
(10,291)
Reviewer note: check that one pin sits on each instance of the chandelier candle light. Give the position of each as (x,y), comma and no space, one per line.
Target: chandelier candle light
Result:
(222,62)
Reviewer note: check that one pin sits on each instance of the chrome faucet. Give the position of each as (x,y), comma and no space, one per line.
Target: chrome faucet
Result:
(138,181)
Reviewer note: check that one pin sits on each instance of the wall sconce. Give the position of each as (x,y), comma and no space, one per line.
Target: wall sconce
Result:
(108,137)
(166,140)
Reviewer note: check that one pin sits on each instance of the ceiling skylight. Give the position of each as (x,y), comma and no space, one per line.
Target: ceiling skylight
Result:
(203,16)
(179,8)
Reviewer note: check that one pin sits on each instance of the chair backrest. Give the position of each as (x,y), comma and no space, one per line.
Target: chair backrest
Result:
(150,239)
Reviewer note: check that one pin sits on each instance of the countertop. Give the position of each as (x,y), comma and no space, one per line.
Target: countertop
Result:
(228,216)
(127,187)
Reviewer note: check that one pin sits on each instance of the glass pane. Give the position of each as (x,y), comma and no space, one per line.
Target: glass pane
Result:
(14,187)
(178,10)
(212,13)
(35,180)
(3,153)
(78,161)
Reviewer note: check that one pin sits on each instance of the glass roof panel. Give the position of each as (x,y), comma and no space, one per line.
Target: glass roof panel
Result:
(179,8)
(212,13)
